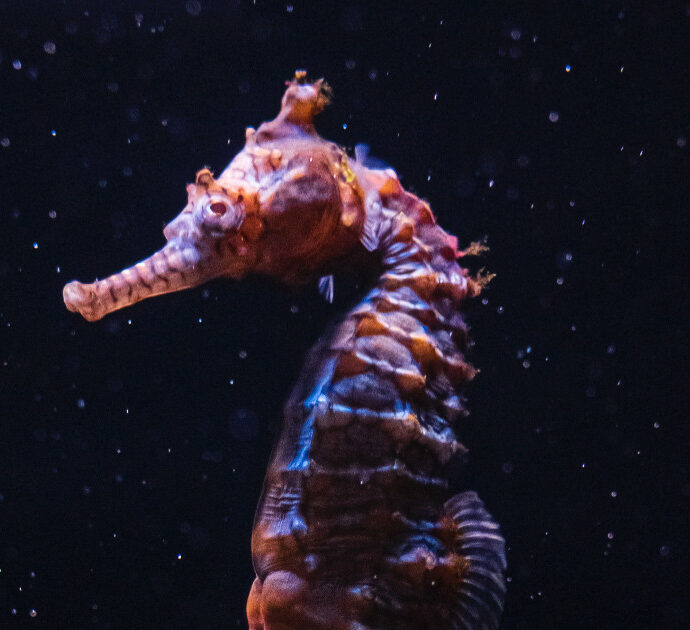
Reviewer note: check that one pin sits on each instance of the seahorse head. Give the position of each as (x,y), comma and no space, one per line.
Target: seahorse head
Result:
(288,205)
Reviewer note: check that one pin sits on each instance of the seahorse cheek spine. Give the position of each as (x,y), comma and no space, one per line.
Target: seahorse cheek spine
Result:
(355,528)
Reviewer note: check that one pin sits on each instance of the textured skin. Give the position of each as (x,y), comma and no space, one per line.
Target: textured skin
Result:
(356,528)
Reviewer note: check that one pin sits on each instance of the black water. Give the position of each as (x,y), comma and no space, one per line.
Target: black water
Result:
(132,450)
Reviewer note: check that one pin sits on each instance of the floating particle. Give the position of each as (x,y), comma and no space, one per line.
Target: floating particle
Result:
(500,310)
(52,214)
(35,245)
(33,613)
(681,142)
(664,551)
(522,161)
(373,73)
(515,34)
(17,64)
(112,86)
(554,116)
(242,354)
(289,8)
(567,68)
(4,142)
(49,47)
(53,132)
(193,7)
(611,349)
(614,494)
(81,403)
(609,535)
(656,425)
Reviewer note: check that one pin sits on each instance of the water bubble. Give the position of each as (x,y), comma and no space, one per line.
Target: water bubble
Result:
(49,47)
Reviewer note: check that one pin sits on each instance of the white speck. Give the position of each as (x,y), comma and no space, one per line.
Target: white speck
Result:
(622,68)
(656,425)
(609,535)
(436,96)
(242,354)
(641,152)
(289,8)
(664,550)
(525,364)
(81,403)
(17,64)
(491,183)
(500,310)
(179,556)
(49,47)
(138,18)
(559,281)
(528,349)
(5,142)
(553,117)
(344,125)
(33,613)
(571,203)
(200,320)
(485,301)
(614,494)
(57,269)
(231,381)
(52,214)
(515,34)
(583,465)
(611,349)
(583,221)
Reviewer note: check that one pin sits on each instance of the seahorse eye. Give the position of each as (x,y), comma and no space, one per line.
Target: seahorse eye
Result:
(219,208)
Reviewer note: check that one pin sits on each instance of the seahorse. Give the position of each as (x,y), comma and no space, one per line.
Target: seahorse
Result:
(356,528)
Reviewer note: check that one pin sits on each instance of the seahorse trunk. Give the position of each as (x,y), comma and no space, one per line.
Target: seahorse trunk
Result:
(356,528)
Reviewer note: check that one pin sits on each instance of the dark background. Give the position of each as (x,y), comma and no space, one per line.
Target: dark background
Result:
(132,450)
